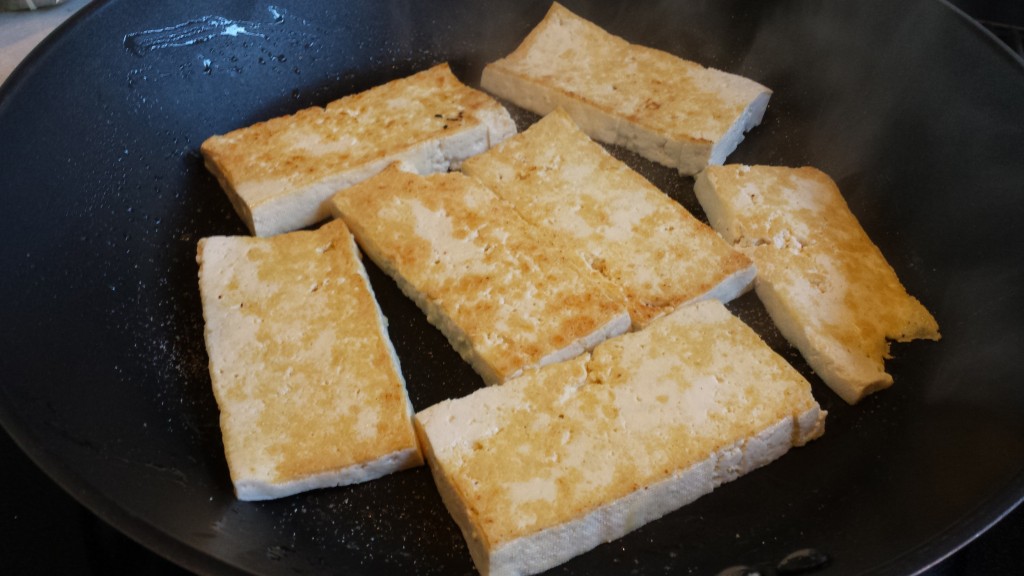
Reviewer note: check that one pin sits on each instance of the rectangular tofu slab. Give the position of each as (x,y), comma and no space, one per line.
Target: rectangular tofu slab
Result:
(308,385)
(667,109)
(506,298)
(627,229)
(825,284)
(279,173)
(549,465)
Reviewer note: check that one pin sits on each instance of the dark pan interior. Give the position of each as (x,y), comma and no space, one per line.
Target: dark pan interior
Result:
(915,112)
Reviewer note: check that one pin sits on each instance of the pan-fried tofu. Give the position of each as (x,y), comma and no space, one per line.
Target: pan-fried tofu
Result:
(507,298)
(309,387)
(667,109)
(279,173)
(549,465)
(825,284)
(656,252)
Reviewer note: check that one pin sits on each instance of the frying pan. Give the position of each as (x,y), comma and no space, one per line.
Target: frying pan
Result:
(915,112)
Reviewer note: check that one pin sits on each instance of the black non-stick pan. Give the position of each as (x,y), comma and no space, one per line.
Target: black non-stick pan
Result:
(914,111)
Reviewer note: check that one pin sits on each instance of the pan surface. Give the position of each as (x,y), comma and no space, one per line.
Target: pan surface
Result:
(915,112)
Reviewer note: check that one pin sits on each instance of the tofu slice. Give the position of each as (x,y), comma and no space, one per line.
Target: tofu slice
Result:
(279,173)
(506,298)
(550,465)
(667,109)
(309,388)
(825,284)
(656,252)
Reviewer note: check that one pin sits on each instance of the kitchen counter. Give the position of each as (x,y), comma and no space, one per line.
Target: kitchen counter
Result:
(20,32)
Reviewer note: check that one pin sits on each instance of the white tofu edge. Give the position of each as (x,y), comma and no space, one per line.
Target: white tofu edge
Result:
(310,205)
(553,546)
(689,157)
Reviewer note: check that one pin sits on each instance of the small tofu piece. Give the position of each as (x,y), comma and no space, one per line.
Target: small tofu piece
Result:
(667,109)
(656,252)
(279,173)
(310,390)
(506,298)
(825,284)
(549,465)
